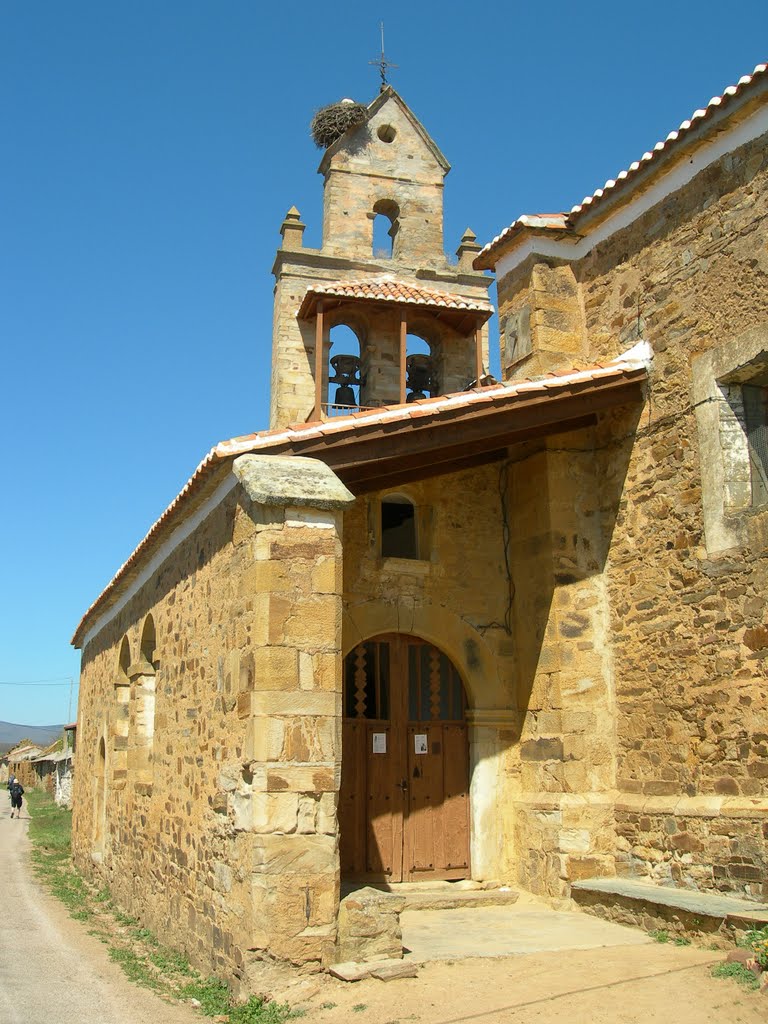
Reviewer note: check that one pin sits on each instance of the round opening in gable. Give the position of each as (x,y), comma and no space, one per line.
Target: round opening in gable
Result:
(386,133)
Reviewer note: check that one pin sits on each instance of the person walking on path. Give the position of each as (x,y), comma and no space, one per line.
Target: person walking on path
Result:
(17,792)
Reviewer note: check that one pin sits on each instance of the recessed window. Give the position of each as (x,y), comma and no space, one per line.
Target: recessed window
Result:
(754,396)
(730,396)
(398,528)
(386,133)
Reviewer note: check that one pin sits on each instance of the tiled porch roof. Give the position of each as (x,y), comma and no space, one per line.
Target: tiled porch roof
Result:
(378,427)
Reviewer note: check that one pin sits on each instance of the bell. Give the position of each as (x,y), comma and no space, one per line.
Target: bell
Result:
(415,396)
(345,369)
(345,395)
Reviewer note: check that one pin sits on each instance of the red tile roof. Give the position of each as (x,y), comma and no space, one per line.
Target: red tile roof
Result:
(569,221)
(631,366)
(391,290)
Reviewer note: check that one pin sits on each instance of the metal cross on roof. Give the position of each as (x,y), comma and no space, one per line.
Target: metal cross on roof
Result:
(382,63)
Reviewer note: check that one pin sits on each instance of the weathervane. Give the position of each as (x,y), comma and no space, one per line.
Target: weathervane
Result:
(382,63)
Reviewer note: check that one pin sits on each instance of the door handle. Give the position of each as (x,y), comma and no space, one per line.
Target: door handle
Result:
(403,785)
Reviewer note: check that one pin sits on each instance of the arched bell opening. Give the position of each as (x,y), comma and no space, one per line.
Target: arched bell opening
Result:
(422,364)
(404,800)
(345,379)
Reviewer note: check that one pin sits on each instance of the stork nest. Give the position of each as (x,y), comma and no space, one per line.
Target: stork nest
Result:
(331,122)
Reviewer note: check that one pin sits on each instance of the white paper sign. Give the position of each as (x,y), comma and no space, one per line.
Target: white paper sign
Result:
(379,743)
(420,743)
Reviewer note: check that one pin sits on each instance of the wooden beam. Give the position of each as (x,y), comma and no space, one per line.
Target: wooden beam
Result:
(406,475)
(547,413)
(437,459)
(403,348)
(478,355)
(319,350)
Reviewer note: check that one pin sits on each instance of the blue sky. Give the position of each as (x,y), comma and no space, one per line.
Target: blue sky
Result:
(149,152)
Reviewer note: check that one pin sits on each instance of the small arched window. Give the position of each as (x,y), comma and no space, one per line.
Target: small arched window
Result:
(386,225)
(148,641)
(124,662)
(399,537)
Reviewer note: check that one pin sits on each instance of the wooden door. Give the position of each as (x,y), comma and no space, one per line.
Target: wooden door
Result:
(404,801)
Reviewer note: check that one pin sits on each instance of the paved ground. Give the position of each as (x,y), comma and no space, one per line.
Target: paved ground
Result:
(51,970)
(506,931)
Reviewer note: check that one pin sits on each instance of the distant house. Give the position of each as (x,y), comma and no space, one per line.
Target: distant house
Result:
(53,767)
(21,764)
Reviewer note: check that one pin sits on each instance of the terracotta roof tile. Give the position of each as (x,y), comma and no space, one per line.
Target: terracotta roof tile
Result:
(568,221)
(391,290)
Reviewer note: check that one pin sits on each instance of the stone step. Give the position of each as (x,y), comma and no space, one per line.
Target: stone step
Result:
(686,911)
(447,895)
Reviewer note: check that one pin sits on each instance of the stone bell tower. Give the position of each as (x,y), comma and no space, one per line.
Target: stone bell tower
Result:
(415,322)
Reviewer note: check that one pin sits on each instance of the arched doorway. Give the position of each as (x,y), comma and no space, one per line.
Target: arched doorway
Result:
(404,801)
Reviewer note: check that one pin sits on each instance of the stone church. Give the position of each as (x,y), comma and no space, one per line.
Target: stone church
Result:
(430,625)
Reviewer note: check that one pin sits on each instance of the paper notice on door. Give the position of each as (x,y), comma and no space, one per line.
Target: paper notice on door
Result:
(420,743)
(379,743)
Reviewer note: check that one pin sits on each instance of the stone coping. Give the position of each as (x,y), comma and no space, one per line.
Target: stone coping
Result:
(701,903)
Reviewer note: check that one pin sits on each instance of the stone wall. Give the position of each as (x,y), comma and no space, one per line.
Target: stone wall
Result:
(686,619)
(227,848)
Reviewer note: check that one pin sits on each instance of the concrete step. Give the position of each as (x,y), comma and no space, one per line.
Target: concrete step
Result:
(686,911)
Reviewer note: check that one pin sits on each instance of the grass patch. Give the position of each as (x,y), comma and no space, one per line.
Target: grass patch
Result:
(659,935)
(138,952)
(738,972)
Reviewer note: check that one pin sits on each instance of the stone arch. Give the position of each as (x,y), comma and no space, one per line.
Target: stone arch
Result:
(426,338)
(398,526)
(142,717)
(385,211)
(100,800)
(493,725)
(448,632)
(122,715)
(346,336)
(148,641)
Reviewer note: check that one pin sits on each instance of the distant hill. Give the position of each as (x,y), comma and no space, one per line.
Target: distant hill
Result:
(42,735)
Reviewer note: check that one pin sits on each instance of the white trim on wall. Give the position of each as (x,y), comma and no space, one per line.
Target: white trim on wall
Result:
(751,128)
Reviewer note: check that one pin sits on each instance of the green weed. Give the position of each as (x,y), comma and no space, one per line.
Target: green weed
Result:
(134,966)
(659,935)
(145,961)
(738,972)
(170,962)
(359,1007)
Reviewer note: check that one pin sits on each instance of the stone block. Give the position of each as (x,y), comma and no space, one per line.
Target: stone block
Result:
(390,970)
(350,971)
(274,812)
(265,738)
(327,576)
(303,778)
(369,925)
(288,703)
(295,855)
(276,668)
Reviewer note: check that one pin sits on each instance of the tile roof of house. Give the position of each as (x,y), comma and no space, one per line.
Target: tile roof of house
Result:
(569,221)
(631,366)
(391,290)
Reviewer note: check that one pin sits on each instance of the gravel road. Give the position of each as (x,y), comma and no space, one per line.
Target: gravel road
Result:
(51,970)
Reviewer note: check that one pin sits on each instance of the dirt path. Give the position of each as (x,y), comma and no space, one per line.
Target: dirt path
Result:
(50,968)
(649,984)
